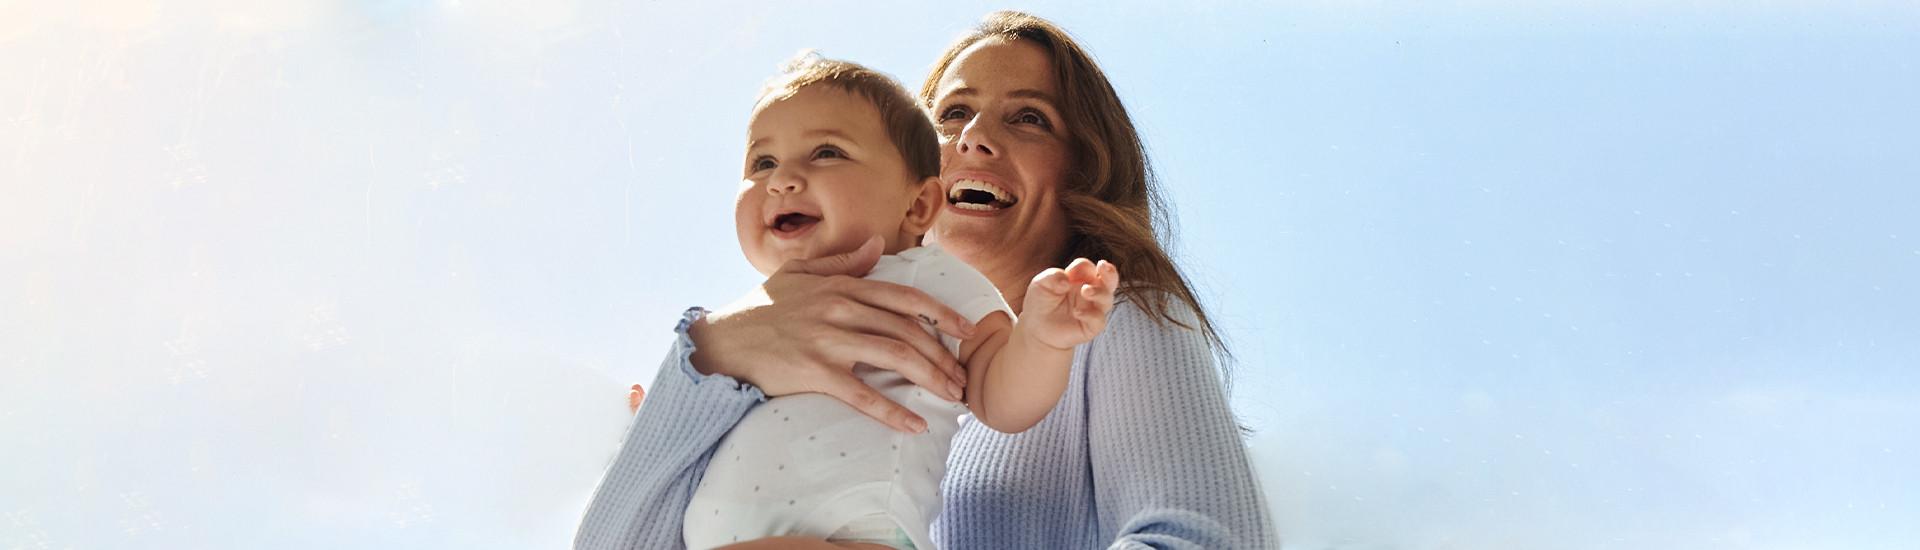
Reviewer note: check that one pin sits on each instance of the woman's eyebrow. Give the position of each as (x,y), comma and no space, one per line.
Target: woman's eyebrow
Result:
(1019,93)
(1030,93)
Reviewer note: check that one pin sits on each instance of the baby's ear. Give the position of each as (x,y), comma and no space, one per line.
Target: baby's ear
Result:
(925,207)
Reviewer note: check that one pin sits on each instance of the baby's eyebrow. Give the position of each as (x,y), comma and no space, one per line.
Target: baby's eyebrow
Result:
(815,133)
(828,132)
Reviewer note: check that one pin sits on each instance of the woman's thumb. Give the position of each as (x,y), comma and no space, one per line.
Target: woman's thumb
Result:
(855,263)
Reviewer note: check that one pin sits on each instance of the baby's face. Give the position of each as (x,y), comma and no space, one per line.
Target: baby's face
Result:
(821,178)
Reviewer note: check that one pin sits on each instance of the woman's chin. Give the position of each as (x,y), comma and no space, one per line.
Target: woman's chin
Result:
(966,237)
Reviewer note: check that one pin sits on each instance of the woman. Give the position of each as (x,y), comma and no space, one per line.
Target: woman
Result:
(1141,452)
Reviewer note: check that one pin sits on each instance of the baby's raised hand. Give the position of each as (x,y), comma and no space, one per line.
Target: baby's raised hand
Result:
(1068,307)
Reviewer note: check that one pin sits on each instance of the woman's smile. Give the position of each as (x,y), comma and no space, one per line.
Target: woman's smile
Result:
(978,194)
(975,194)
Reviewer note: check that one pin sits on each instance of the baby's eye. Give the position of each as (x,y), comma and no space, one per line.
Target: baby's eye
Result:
(953,112)
(1030,116)
(762,163)
(828,152)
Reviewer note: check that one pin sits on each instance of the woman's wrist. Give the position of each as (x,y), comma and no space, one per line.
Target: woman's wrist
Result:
(698,329)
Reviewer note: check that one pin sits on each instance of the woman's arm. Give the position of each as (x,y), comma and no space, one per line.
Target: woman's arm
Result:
(1167,456)
(814,319)
(643,495)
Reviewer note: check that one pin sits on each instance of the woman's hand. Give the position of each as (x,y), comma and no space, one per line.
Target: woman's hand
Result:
(800,543)
(808,325)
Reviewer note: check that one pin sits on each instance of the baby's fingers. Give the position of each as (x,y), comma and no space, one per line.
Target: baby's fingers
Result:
(1082,270)
(1052,282)
(1097,296)
(1094,304)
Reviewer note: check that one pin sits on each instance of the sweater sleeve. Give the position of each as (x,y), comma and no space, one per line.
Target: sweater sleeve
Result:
(1168,462)
(643,496)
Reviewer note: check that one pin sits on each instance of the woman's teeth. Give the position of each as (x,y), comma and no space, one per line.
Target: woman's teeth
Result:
(969,194)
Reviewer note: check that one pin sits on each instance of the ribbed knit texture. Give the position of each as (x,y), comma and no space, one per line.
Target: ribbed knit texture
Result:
(1141,452)
(642,498)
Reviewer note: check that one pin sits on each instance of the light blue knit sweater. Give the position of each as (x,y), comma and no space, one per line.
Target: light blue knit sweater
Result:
(1141,452)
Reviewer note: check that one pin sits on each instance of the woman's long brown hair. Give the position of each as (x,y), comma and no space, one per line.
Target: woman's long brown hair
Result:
(1113,204)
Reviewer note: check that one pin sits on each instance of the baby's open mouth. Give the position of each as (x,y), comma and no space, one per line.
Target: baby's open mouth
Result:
(792,223)
(970,194)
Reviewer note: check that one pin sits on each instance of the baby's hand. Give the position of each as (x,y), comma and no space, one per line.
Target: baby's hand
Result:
(1068,307)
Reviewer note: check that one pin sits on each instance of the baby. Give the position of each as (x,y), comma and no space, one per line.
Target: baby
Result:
(836,155)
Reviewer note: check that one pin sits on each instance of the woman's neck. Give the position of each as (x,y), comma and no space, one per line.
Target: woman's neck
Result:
(1009,270)
(1012,282)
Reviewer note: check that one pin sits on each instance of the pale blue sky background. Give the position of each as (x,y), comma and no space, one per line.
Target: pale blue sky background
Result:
(1499,274)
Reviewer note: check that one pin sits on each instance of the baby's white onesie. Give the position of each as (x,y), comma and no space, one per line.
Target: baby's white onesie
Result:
(808,464)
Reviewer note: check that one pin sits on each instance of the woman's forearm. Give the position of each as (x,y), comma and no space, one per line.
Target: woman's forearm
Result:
(642,497)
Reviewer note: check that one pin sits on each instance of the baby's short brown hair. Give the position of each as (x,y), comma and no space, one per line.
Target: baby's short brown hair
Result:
(912,134)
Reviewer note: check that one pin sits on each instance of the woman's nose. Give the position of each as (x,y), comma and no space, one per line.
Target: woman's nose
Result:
(973,139)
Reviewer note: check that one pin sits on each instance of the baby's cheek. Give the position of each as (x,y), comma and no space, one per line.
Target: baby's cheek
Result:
(758,254)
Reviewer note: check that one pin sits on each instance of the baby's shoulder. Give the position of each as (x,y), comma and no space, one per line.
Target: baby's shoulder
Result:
(944,277)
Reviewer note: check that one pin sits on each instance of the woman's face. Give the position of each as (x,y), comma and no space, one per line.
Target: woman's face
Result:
(1003,159)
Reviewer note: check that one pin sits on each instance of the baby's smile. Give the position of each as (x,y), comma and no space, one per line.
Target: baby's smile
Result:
(788,225)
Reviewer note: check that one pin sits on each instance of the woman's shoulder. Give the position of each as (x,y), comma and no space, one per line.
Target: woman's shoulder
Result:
(1153,361)
(1134,325)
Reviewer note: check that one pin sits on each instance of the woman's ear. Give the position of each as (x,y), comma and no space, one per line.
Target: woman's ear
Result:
(925,207)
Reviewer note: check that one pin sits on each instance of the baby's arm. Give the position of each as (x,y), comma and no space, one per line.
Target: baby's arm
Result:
(1017,369)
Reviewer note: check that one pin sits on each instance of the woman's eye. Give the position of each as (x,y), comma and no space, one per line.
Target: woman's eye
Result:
(953,113)
(1031,117)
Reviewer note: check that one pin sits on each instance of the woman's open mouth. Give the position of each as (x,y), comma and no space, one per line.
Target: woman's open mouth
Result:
(979,196)
(793,224)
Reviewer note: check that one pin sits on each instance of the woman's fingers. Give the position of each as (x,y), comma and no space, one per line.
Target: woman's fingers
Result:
(836,321)
(855,263)
(907,301)
(844,386)
(888,354)
(890,326)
